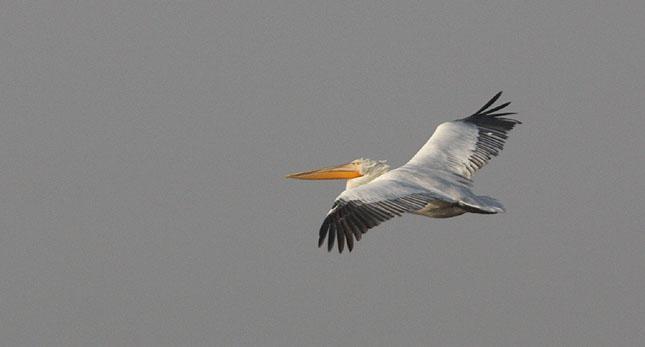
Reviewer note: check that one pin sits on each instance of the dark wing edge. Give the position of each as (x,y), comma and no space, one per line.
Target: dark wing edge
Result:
(348,220)
(492,132)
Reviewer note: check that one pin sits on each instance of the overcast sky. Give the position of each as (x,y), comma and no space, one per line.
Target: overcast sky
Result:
(143,148)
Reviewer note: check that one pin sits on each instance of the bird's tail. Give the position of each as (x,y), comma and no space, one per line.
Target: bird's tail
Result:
(482,204)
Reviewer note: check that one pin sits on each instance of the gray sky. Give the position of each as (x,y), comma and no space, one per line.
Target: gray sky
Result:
(144,145)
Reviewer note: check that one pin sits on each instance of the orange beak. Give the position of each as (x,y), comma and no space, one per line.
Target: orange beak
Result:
(343,171)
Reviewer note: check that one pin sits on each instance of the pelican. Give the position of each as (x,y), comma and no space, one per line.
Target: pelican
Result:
(435,183)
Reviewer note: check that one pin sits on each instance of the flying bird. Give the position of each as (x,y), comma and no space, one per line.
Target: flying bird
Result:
(435,183)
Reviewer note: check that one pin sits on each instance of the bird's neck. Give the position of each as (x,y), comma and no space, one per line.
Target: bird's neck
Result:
(368,177)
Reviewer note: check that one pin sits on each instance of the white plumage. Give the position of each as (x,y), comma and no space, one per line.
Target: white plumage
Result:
(436,182)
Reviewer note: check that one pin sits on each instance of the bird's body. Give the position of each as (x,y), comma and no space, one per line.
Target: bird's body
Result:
(436,182)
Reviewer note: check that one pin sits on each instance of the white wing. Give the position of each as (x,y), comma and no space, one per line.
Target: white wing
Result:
(359,209)
(465,145)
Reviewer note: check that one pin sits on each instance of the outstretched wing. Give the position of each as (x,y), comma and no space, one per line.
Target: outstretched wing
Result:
(357,210)
(465,145)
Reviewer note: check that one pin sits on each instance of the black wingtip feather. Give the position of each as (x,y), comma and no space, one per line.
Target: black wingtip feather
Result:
(322,234)
(488,117)
(490,102)
(347,231)
(496,115)
(332,235)
(489,112)
(350,240)
(340,237)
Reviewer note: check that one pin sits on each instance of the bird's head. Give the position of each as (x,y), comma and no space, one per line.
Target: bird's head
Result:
(356,172)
